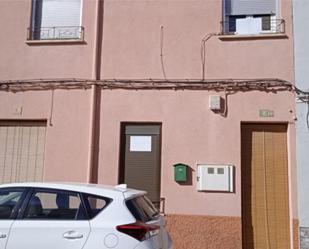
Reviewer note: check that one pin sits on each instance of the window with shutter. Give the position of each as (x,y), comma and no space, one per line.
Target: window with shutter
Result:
(56,19)
(250,7)
(251,17)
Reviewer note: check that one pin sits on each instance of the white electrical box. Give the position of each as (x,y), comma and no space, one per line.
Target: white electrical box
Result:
(215,178)
(215,102)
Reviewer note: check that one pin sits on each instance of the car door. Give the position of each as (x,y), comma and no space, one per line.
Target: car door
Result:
(52,219)
(10,201)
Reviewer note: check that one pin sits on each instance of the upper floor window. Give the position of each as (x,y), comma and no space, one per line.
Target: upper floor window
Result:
(251,17)
(55,20)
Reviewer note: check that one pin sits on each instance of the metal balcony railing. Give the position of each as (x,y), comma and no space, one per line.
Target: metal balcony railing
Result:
(56,33)
(272,26)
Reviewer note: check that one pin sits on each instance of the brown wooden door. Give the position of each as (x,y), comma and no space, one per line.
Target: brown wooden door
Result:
(265,197)
(141,164)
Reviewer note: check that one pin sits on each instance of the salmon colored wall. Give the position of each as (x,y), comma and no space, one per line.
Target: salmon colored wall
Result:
(191,134)
(131,42)
(67,147)
(20,60)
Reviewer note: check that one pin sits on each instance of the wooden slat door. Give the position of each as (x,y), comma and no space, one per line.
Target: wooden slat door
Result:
(22,149)
(265,196)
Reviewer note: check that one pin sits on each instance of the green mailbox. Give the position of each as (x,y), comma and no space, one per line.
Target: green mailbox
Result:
(180,172)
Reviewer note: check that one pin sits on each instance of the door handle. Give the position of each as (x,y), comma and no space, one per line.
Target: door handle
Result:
(72,235)
(2,236)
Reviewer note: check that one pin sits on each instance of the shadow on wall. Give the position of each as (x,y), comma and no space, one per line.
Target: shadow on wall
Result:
(246,159)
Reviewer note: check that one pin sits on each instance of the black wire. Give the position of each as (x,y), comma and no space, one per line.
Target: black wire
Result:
(203,52)
(307,116)
(161,51)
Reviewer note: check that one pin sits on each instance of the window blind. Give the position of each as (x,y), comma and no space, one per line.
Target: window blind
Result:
(142,129)
(250,7)
(57,13)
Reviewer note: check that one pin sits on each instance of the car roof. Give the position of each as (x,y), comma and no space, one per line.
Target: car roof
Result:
(97,189)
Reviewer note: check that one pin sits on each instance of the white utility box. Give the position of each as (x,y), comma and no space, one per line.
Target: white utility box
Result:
(215,178)
(215,102)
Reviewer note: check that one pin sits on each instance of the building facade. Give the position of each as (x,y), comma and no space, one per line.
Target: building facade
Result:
(301,40)
(142,91)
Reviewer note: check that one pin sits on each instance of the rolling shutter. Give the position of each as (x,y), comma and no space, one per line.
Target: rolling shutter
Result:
(56,19)
(142,159)
(142,129)
(250,7)
(22,151)
(57,13)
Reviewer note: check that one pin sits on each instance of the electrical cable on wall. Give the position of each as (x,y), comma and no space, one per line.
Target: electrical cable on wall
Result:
(307,115)
(203,52)
(51,108)
(229,85)
(161,51)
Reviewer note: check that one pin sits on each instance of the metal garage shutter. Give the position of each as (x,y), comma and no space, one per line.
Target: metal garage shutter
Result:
(143,167)
(250,7)
(22,147)
(265,195)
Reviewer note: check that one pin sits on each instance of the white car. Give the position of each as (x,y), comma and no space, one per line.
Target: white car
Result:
(78,216)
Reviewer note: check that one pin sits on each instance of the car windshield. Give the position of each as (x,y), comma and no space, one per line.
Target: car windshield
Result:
(142,208)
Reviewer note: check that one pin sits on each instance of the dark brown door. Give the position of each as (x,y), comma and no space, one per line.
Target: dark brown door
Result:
(265,196)
(141,159)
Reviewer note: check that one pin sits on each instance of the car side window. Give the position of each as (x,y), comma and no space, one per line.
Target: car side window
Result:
(95,204)
(55,205)
(8,200)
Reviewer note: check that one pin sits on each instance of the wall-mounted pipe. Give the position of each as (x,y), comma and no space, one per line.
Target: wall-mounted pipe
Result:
(95,96)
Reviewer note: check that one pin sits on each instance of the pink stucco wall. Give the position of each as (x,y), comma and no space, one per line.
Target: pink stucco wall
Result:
(67,147)
(191,133)
(20,60)
(131,49)
(131,42)
(131,33)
